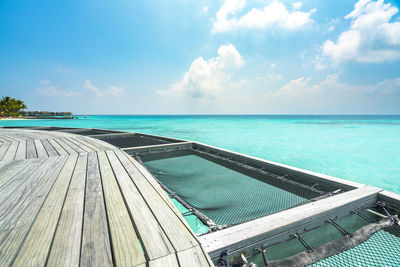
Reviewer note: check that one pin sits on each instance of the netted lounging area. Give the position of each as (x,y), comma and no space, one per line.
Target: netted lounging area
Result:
(222,194)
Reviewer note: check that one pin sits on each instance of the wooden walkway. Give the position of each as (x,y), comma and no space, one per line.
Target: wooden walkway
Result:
(69,200)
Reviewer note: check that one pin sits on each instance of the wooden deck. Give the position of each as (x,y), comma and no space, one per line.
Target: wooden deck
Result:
(69,200)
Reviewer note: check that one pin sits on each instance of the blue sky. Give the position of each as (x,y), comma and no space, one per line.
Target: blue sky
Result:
(202,57)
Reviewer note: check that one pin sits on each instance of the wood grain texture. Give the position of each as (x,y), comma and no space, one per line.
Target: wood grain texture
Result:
(65,146)
(4,148)
(41,152)
(66,247)
(36,246)
(19,222)
(173,227)
(21,151)
(96,248)
(169,260)
(51,151)
(193,257)
(60,150)
(154,241)
(30,149)
(12,150)
(125,243)
(17,175)
(73,145)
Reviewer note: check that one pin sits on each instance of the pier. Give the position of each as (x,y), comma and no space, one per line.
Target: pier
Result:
(74,196)
(67,199)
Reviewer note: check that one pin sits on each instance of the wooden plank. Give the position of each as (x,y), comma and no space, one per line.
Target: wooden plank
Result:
(158,188)
(17,175)
(194,257)
(84,141)
(16,224)
(30,149)
(8,171)
(169,260)
(153,239)
(256,231)
(41,152)
(36,246)
(185,238)
(60,150)
(96,248)
(66,246)
(126,247)
(49,148)
(74,146)
(3,149)
(12,149)
(180,236)
(99,142)
(65,146)
(21,151)
(80,144)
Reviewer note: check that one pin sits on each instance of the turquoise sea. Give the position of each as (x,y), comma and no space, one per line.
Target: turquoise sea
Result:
(364,149)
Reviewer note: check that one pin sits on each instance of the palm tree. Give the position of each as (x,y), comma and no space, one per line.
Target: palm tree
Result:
(10,106)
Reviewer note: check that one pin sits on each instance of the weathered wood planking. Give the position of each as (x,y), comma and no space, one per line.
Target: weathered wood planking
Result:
(194,257)
(51,151)
(18,222)
(158,188)
(41,152)
(17,175)
(30,149)
(12,150)
(65,146)
(8,171)
(176,231)
(96,247)
(66,247)
(80,145)
(67,200)
(168,260)
(126,246)
(3,149)
(60,150)
(154,241)
(21,151)
(36,246)
(74,146)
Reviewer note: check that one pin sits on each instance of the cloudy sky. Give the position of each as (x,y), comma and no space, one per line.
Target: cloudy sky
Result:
(202,56)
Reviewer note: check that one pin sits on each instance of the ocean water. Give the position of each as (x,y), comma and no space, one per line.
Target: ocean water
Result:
(364,149)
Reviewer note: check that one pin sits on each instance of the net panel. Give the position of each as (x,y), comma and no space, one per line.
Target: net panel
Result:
(381,249)
(222,194)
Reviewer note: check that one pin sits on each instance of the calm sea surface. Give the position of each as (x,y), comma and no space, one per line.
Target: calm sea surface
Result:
(364,149)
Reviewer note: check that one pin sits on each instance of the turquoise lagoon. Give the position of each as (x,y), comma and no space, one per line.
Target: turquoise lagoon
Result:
(364,149)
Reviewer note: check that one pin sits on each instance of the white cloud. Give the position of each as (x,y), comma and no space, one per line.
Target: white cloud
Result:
(112,89)
(331,28)
(47,89)
(44,82)
(297,5)
(331,96)
(272,66)
(274,14)
(207,78)
(371,38)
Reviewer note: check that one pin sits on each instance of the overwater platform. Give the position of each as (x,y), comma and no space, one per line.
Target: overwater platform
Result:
(96,197)
(69,200)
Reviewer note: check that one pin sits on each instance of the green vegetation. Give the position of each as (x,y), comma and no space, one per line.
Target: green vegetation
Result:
(11,106)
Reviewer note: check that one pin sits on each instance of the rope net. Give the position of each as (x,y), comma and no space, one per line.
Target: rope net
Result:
(226,194)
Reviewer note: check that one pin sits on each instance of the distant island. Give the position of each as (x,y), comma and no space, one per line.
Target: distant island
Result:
(12,108)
